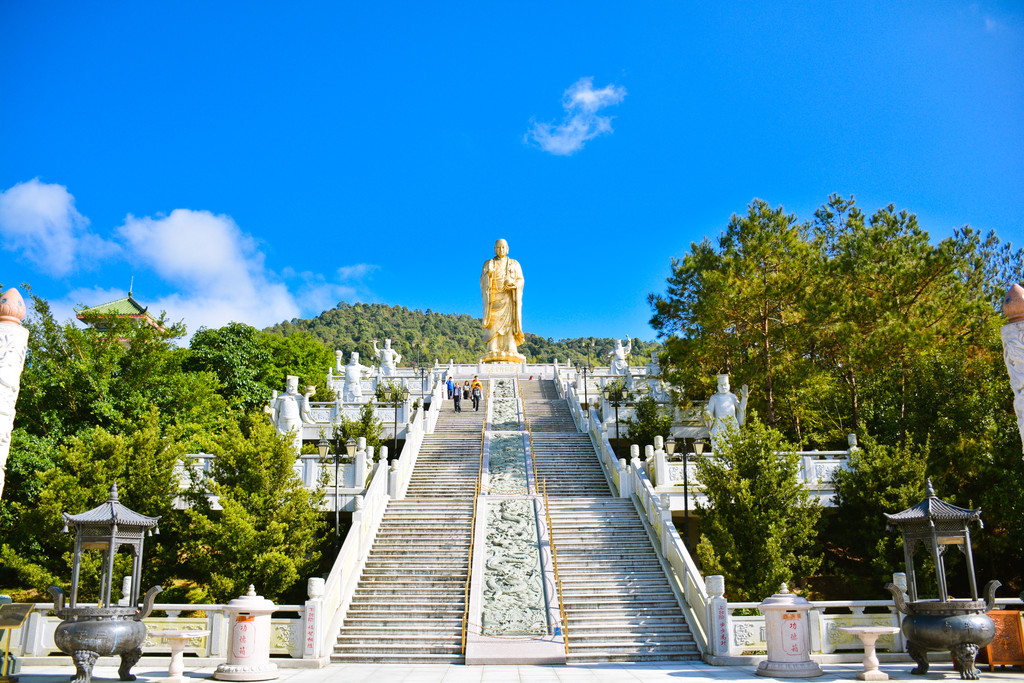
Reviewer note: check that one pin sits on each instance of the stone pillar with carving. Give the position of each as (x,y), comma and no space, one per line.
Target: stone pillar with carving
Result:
(13,345)
(717,616)
(1013,349)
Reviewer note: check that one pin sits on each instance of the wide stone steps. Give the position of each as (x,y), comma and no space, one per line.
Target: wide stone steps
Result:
(618,602)
(564,458)
(410,599)
(409,602)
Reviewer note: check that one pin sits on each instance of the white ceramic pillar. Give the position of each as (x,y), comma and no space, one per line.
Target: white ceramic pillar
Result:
(13,344)
(249,648)
(789,638)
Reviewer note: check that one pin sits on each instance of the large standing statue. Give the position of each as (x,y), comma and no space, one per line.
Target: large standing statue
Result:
(290,410)
(387,357)
(620,356)
(725,409)
(13,344)
(355,372)
(501,285)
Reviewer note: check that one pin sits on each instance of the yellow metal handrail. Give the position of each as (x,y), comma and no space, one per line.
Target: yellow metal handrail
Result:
(472,535)
(554,564)
(469,572)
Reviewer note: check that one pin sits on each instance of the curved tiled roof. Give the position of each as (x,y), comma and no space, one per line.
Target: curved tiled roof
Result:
(126,306)
(931,508)
(109,513)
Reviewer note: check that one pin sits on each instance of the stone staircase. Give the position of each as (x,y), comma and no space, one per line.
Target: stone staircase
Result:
(409,603)
(618,602)
(410,600)
(563,456)
(449,461)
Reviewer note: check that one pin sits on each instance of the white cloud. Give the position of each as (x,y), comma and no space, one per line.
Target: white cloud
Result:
(582,122)
(356,272)
(40,220)
(991,25)
(217,269)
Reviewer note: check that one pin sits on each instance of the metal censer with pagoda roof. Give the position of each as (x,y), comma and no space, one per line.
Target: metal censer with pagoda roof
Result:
(89,632)
(955,624)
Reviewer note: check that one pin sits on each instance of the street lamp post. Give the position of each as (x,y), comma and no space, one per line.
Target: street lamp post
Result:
(397,395)
(698,447)
(585,370)
(323,447)
(616,396)
(422,371)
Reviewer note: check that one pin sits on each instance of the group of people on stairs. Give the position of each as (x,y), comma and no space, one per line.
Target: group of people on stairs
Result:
(470,390)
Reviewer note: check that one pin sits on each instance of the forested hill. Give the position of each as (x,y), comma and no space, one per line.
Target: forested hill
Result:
(441,336)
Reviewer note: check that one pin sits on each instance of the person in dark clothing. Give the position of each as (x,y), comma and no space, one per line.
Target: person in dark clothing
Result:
(477,390)
(457,397)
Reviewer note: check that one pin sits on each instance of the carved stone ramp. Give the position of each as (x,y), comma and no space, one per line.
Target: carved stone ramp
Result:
(409,603)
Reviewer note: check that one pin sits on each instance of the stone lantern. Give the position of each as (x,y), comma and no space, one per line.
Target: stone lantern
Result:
(955,624)
(89,632)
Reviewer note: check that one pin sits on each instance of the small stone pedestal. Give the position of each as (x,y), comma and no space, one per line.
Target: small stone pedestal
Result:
(868,635)
(789,651)
(177,640)
(249,650)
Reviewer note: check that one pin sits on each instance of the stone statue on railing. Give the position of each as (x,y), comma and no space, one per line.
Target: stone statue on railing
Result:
(388,358)
(656,388)
(1013,349)
(620,357)
(501,285)
(725,410)
(13,344)
(354,374)
(290,410)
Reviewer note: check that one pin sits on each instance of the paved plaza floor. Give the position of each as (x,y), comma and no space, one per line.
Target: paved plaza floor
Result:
(660,672)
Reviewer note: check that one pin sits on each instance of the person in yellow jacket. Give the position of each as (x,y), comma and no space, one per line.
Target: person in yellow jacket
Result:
(476,390)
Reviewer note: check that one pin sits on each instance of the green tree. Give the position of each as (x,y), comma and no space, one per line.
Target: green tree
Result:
(648,421)
(880,479)
(240,358)
(303,355)
(738,308)
(758,524)
(78,378)
(368,426)
(143,466)
(265,528)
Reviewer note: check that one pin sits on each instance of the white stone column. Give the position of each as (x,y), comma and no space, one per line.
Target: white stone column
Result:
(313,619)
(13,345)
(1013,349)
(717,616)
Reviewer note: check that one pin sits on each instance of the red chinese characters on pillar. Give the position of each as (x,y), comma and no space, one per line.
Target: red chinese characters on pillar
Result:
(792,623)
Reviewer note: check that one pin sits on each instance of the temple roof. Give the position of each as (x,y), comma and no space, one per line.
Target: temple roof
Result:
(932,509)
(126,306)
(109,513)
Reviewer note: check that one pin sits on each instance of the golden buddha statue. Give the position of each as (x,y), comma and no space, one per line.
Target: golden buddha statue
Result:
(501,284)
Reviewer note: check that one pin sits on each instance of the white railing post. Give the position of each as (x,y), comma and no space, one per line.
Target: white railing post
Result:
(717,616)
(313,619)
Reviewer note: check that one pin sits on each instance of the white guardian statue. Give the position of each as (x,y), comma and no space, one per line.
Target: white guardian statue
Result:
(388,358)
(290,410)
(620,356)
(355,372)
(725,410)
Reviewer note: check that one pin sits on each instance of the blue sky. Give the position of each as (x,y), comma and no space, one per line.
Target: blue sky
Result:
(263,161)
